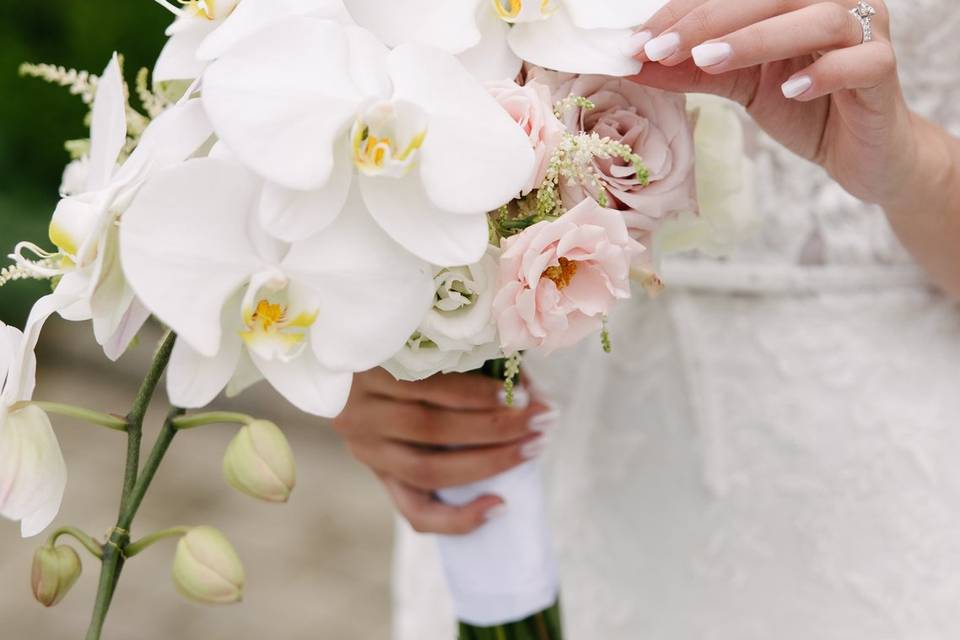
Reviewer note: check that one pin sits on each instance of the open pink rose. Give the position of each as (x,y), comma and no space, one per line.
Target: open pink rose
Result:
(532,108)
(559,279)
(653,123)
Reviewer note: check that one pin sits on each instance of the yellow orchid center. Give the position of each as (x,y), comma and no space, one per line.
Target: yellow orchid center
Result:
(562,275)
(272,334)
(386,138)
(201,8)
(515,11)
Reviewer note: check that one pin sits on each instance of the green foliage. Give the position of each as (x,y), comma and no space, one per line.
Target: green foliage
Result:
(36,119)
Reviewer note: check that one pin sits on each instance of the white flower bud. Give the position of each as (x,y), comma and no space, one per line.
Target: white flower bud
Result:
(55,570)
(207,569)
(259,462)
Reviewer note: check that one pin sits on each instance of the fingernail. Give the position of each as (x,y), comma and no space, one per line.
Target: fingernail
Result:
(707,55)
(521,398)
(534,448)
(543,422)
(633,44)
(662,46)
(496,512)
(796,86)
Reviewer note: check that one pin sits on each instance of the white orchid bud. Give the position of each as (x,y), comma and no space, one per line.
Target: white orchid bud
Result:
(55,570)
(207,569)
(259,463)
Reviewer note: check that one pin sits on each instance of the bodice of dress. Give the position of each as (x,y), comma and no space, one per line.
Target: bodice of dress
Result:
(807,219)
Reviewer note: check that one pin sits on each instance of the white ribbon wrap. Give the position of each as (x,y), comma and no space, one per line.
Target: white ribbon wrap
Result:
(505,571)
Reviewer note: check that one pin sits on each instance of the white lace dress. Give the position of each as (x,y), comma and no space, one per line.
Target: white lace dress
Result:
(773,449)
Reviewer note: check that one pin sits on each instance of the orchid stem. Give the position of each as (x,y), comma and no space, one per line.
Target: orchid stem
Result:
(149,540)
(92,417)
(213,417)
(87,541)
(135,484)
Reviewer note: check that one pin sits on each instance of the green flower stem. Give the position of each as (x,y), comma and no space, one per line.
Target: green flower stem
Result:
(149,540)
(545,625)
(134,485)
(214,417)
(92,417)
(87,541)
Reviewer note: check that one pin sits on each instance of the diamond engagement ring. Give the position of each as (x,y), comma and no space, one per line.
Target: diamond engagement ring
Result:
(864,13)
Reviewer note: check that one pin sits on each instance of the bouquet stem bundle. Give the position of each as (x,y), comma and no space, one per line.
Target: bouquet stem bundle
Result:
(545,625)
(542,625)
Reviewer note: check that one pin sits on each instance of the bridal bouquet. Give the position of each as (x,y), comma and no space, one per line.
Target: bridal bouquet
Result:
(313,188)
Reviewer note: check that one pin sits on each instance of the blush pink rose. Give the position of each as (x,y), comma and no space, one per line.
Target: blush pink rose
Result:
(559,279)
(532,108)
(654,124)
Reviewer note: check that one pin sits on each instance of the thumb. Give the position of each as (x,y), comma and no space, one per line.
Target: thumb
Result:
(739,86)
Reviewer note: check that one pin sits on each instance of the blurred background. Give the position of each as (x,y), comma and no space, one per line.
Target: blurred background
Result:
(318,567)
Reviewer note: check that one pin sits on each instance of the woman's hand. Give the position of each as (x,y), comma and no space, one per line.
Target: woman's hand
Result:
(799,68)
(443,432)
(803,72)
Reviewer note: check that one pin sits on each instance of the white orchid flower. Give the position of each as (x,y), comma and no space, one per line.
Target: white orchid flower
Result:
(204,29)
(575,36)
(246,306)
(83,227)
(308,104)
(33,474)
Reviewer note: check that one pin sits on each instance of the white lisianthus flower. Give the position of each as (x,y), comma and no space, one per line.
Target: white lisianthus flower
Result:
(92,285)
(725,191)
(205,28)
(314,107)
(33,474)
(575,36)
(458,334)
(246,306)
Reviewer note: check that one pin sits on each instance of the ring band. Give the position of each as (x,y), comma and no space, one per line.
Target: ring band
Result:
(864,13)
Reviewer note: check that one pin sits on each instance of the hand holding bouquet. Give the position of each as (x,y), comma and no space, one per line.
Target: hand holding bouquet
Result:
(312,189)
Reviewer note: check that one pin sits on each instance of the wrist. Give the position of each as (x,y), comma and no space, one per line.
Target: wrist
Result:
(930,171)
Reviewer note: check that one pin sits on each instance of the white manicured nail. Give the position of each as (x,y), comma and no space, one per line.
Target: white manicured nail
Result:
(496,512)
(662,46)
(796,86)
(521,398)
(545,422)
(707,55)
(634,43)
(534,448)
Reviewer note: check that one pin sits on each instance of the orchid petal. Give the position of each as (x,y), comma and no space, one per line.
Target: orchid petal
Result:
(492,59)
(171,138)
(33,473)
(244,377)
(474,158)
(283,100)
(292,215)
(195,380)
(130,324)
(112,296)
(611,14)
(368,63)
(402,209)
(559,44)
(178,58)
(449,25)
(108,126)
(371,294)
(307,384)
(252,16)
(21,372)
(185,246)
